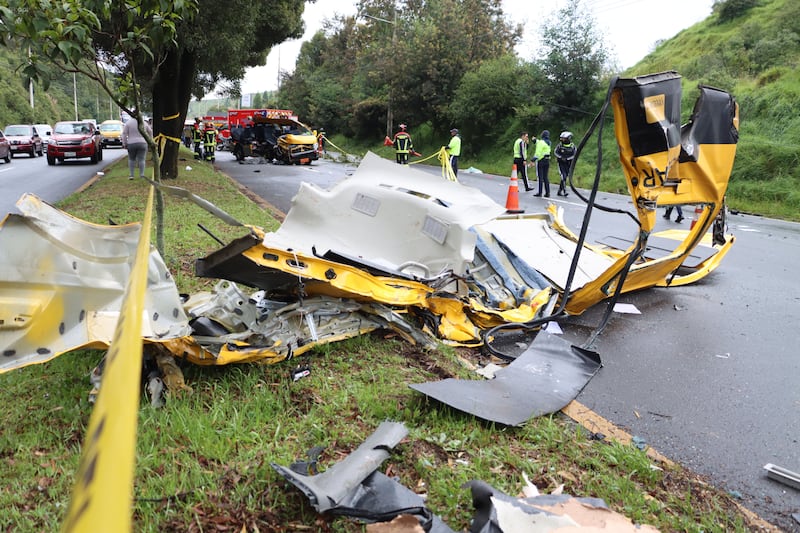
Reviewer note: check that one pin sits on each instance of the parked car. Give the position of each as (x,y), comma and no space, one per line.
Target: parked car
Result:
(74,140)
(24,139)
(5,148)
(45,131)
(111,131)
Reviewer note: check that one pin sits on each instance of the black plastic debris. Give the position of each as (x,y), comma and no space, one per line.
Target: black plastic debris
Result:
(300,372)
(354,489)
(542,380)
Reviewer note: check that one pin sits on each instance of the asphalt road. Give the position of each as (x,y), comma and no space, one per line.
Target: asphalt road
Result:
(51,183)
(708,374)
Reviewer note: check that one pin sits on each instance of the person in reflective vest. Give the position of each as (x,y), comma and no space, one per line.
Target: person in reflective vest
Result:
(565,154)
(521,158)
(402,145)
(454,150)
(541,155)
(197,139)
(210,142)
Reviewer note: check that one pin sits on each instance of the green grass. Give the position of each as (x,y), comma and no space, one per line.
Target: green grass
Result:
(203,461)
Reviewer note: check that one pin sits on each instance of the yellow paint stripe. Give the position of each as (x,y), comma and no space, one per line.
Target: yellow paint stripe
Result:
(597,424)
(103,491)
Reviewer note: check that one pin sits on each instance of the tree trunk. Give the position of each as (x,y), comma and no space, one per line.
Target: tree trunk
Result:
(171,94)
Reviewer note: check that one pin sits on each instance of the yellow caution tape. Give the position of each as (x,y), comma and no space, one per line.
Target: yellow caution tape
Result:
(162,139)
(103,492)
(444,159)
(340,149)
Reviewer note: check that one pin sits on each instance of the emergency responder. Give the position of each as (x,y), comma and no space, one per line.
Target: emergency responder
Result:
(541,156)
(565,154)
(521,158)
(402,145)
(210,142)
(454,150)
(321,142)
(197,138)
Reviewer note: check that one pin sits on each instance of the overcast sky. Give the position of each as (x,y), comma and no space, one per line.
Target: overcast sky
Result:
(632,27)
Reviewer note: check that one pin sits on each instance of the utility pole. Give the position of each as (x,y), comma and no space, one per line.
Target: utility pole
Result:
(75,94)
(30,83)
(389,111)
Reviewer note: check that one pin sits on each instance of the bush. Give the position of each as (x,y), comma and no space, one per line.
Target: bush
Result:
(728,10)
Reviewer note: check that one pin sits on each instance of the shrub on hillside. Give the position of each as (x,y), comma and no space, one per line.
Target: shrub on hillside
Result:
(728,10)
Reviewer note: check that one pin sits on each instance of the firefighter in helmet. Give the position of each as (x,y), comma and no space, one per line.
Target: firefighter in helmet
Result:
(210,142)
(197,138)
(402,145)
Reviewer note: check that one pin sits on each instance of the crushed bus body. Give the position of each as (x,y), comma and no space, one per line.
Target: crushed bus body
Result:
(393,248)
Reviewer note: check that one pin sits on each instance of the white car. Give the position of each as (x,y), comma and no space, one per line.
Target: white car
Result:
(45,131)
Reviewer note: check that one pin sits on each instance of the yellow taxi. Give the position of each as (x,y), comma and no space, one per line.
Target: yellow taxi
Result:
(110,133)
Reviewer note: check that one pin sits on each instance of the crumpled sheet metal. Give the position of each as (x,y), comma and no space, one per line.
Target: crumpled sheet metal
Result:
(354,488)
(62,281)
(542,380)
(329,489)
(497,512)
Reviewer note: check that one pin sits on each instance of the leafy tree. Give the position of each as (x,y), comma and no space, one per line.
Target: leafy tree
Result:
(404,59)
(215,47)
(573,58)
(499,96)
(151,52)
(444,40)
(72,36)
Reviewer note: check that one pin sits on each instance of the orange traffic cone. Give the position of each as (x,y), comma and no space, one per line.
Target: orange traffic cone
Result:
(698,210)
(512,200)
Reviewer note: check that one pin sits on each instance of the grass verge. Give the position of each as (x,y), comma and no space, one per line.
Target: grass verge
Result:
(203,461)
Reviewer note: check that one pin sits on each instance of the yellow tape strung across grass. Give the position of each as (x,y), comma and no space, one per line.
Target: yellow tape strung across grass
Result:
(103,492)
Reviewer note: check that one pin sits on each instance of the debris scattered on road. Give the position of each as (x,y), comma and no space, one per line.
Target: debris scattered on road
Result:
(783,475)
(629,309)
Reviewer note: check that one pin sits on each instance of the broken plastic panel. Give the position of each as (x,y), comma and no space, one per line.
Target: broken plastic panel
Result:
(542,380)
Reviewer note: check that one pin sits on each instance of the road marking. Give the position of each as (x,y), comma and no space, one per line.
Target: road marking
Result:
(597,424)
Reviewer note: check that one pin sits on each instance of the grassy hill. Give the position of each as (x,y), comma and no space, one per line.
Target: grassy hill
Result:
(751,48)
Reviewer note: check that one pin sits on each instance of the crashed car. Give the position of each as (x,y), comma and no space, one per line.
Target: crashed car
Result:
(387,248)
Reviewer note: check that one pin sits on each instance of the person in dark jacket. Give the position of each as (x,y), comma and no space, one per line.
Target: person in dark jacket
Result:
(668,213)
(197,139)
(210,142)
(565,154)
(402,145)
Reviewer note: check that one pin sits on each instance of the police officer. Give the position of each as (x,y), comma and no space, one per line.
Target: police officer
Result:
(565,154)
(541,156)
(521,158)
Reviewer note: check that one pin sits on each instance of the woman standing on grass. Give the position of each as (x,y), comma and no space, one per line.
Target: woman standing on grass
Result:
(136,145)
